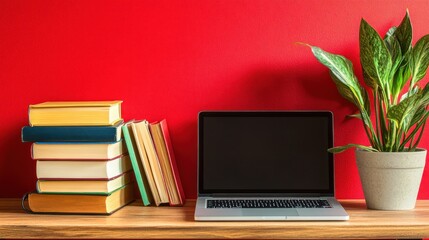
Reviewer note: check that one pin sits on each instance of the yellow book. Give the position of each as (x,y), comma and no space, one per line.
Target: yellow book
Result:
(83,113)
(79,203)
(171,181)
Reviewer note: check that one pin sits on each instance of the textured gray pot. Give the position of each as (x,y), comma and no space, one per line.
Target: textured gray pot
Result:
(391,180)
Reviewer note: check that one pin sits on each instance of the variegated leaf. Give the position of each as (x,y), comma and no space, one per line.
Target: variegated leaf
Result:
(419,61)
(405,108)
(404,33)
(341,70)
(374,55)
(345,147)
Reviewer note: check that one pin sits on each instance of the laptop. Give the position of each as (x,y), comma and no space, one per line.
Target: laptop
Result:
(266,165)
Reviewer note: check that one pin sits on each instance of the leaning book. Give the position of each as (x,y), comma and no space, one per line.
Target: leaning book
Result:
(78,203)
(136,162)
(148,154)
(164,149)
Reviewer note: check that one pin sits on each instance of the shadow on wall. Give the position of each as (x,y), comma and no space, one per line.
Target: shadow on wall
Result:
(303,89)
(290,89)
(261,89)
(17,168)
(184,139)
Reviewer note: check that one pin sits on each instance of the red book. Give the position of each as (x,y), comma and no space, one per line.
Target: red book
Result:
(164,149)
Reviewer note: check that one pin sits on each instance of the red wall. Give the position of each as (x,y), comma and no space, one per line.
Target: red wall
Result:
(171,59)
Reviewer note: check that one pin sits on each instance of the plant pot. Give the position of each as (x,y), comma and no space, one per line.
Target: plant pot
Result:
(391,180)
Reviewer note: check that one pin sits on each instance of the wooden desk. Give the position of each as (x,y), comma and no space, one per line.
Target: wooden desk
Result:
(135,221)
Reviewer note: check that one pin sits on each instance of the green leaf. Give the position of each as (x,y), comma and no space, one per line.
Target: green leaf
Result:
(341,70)
(425,96)
(341,67)
(392,44)
(423,100)
(348,146)
(406,107)
(368,80)
(355,94)
(390,32)
(345,90)
(420,113)
(419,61)
(356,115)
(419,125)
(410,92)
(375,57)
(421,105)
(404,33)
(401,76)
(381,122)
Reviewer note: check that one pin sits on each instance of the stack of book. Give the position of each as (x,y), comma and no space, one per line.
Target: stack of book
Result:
(82,165)
(153,161)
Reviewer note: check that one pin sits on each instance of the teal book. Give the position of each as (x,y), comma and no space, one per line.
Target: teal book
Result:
(141,180)
(72,133)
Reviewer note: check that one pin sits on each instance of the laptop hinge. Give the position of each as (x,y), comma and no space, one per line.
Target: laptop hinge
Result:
(229,195)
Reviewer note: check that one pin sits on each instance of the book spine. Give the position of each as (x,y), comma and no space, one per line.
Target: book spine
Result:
(69,134)
(138,138)
(24,203)
(169,146)
(154,162)
(135,165)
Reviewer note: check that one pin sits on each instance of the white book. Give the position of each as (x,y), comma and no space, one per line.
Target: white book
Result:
(79,150)
(75,169)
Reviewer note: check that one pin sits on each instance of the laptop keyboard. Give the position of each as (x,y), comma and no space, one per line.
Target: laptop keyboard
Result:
(268,203)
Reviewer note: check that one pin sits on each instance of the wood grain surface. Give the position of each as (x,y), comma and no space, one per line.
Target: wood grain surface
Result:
(135,221)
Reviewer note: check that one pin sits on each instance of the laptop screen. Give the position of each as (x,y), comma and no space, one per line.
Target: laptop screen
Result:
(265,152)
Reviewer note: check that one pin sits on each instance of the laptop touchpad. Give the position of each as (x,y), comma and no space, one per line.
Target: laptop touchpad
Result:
(269,212)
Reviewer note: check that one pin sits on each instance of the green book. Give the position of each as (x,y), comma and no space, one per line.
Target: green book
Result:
(137,165)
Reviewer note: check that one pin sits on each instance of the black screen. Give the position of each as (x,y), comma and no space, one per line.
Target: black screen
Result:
(265,152)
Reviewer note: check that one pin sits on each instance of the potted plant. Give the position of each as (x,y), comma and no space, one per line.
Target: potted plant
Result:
(392,108)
